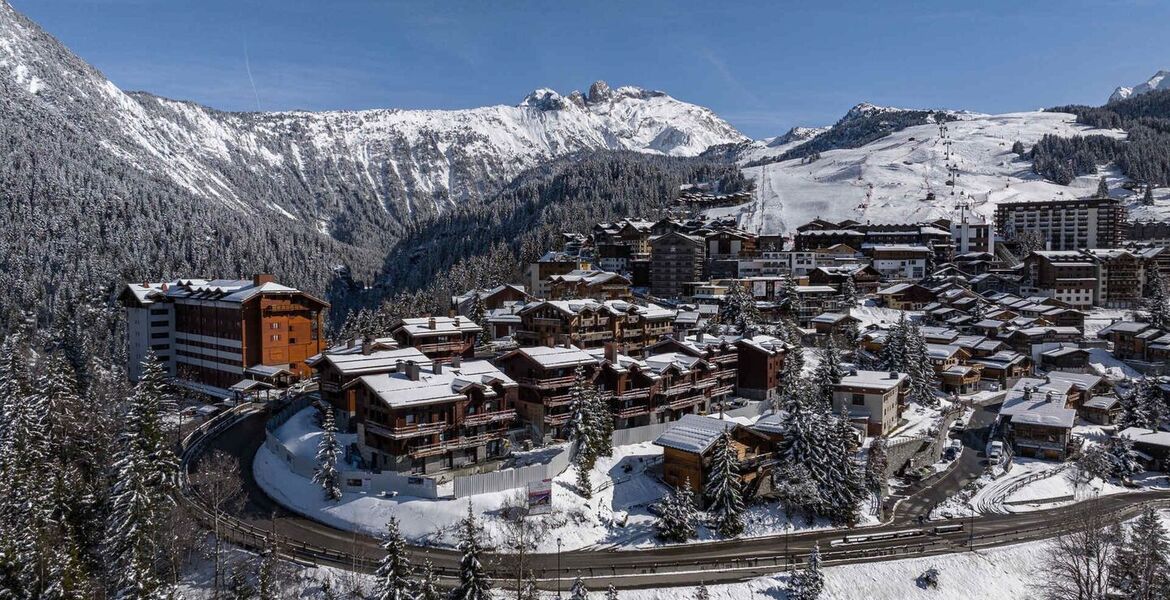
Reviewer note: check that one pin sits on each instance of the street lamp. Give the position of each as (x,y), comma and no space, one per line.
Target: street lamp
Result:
(558,567)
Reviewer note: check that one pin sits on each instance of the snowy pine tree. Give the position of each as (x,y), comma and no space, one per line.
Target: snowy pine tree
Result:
(723,488)
(1156,306)
(701,592)
(1141,567)
(394,571)
(676,523)
(919,367)
(479,317)
(611,593)
(738,310)
(789,300)
(1143,406)
(877,462)
(1102,188)
(849,293)
(578,591)
(428,584)
(1148,196)
(808,583)
(328,451)
(143,478)
(474,583)
(828,374)
(893,352)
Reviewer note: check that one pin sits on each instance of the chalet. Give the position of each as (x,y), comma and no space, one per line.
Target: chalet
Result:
(1026,339)
(761,358)
(995,282)
(899,261)
(1066,275)
(440,338)
(1134,341)
(596,285)
(488,299)
(906,296)
(1102,410)
(961,378)
(866,279)
(1037,421)
(687,450)
(874,399)
(224,333)
(590,324)
(1152,446)
(688,384)
(544,376)
(1065,358)
(631,387)
(1004,368)
(337,367)
(448,417)
(835,324)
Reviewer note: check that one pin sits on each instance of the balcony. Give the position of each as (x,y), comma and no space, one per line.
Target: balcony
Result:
(633,394)
(546,322)
(558,400)
(557,420)
(329,386)
(453,444)
(457,346)
(546,383)
(685,402)
(722,390)
(591,336)
(633,411)
(406,431)
(489,417)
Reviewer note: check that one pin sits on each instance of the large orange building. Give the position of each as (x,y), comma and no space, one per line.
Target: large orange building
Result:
(224,335)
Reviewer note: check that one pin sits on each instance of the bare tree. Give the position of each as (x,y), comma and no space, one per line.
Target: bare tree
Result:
(521,533)
(217,481)
(1077,564)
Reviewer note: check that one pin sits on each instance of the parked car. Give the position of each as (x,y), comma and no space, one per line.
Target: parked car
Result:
(995,451)
(954,448)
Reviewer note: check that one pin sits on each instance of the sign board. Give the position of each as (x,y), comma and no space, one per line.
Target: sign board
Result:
(540,497)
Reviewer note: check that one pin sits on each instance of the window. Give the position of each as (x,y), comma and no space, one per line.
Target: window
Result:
(159,323)
(858,400)
(292,340)
(274,325)
(276,337)
(160,335)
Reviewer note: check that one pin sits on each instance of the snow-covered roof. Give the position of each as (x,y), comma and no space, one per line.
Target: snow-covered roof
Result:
(1038,409)
(1147,436)
(222,290)
(374,362)
(693,433)
(1101,402)
(398,389)
(556,357)
(877,380)
(434,326)
(772,422)
(658,363)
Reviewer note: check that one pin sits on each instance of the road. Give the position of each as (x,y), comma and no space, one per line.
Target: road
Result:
(308,541)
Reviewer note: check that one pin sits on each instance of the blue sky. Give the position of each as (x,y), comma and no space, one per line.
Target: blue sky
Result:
(762,66)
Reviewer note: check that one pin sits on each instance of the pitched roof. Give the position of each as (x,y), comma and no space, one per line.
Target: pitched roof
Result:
(398,390)
(693,433)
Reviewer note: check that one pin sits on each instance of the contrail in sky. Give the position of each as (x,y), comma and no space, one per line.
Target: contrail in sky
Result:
(248,66)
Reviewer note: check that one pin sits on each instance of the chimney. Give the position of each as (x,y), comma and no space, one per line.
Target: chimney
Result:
(437,368)
(412,371)
(699,336)
(611,352)
(456,361)
(430,323)
(367,345)
(893,374)
(400,366)
(456,321)
(350,343)
(262,278)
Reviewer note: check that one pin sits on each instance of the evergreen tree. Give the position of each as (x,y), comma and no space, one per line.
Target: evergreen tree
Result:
(808,583)
(578,591)
(473,580)
(849,292)
(611,593)
(394,571)
(584,480)
(144,476)
(1148,196)
(269,570)
(1141,567)
(1143,406)
(701,592)
(1102,188)
(1018,148)
(738,310)
(1123,457)
(789,298)
(239,588)
(821,445)
(828,374)
(1157,304)
(600,423)
(479,316)
(893,353)
(876,464)
(328,450)
(723,488)
(918,366)
(676,523)
(428,584)
(579,407)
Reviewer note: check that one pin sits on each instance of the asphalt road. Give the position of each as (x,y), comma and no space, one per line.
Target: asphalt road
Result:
(308,541)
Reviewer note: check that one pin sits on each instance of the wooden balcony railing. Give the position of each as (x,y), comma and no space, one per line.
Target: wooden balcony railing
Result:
(546,383)
(489,417)
(633,394)
(633,411)
(686,401)
(407,431)
(453,444)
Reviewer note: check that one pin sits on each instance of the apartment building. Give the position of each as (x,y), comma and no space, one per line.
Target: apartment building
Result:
(338,366)
(902,261)
(593,284)
(431,420)
(544,375)
(1065,224)
(1121,277)
(675,258)
(440,338)
(591,324)
(552,263)
(874,399)
(223,333)
(1066,275)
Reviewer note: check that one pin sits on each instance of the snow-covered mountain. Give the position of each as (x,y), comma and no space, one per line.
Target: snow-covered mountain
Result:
(330,168)
(889,179)
(1160,81)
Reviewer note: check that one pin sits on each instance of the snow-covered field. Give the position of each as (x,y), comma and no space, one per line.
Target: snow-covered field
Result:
(617,516)
(888,180)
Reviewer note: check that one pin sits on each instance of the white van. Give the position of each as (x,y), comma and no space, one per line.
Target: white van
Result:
(996,450)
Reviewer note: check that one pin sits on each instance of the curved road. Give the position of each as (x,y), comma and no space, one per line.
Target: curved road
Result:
(308,541)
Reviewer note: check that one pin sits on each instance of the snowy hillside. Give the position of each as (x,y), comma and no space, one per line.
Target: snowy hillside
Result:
(889,179)
(326,167)
(1160,81)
